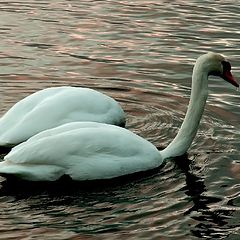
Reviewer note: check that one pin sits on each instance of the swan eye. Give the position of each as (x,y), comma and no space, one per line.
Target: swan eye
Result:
(226,66)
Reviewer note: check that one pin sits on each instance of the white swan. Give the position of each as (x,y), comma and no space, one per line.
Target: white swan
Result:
(53,107)
(88,150)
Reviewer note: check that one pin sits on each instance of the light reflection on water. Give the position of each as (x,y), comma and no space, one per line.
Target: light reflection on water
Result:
(140,53)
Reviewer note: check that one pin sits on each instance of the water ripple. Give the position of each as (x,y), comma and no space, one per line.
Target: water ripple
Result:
(142,54)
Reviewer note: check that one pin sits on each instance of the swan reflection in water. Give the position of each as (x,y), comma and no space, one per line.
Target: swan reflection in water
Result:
(206,219)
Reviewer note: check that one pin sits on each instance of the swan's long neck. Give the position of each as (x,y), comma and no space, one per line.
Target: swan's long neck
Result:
(188,130)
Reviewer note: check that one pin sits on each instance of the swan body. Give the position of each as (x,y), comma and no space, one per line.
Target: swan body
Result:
(83,151)
(88,150)
(52,107)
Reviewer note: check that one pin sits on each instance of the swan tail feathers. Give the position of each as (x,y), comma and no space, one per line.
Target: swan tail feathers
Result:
(30,172)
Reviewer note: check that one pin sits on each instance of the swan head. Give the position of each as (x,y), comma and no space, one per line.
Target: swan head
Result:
(216,65)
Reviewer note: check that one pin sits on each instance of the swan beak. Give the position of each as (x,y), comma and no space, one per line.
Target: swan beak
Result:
(227,75)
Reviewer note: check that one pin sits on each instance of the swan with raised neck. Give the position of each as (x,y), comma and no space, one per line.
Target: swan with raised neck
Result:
(90,151)
(206,65)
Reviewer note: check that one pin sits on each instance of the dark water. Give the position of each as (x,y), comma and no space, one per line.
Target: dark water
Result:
(141,53)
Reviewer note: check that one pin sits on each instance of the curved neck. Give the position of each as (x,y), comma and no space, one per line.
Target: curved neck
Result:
(189,127)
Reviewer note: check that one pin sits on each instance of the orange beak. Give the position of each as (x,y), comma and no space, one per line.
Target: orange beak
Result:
(227,75)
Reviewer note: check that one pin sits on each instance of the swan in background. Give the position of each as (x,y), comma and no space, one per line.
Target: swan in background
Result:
(52,107)
(91,151)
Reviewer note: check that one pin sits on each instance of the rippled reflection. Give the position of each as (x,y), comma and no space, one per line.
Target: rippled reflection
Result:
(142,54)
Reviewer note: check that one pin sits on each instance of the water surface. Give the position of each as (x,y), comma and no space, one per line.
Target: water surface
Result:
(142,54)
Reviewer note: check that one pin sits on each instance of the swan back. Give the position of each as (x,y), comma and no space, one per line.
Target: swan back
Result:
(55,106)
